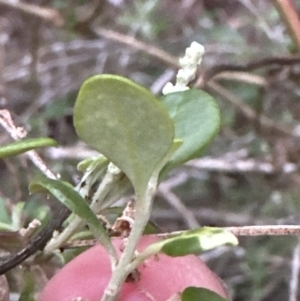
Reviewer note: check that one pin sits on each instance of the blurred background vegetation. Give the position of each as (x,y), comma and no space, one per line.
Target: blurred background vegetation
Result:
(248,176)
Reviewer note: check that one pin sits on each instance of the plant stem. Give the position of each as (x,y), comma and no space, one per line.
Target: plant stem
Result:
(141,217)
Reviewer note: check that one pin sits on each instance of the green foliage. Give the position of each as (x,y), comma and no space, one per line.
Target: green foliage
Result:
(197,241)
(232,33)
(91,163)
(131,128)
(193,242)
(125,123)
(25,145)
(65,193)
(200,294)
(196,116)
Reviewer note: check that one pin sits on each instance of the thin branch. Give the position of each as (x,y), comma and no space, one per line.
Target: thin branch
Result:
(48,14)
(262,230)
(273,230)
(289,13)
(239,76)
(134,43)
(240,166)
(250,66)
(225,163)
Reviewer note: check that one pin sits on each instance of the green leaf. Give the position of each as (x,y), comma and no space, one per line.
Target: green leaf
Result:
(196,116)
(66,194)
(23,146)
(197,241)
(192,242)
(200,294)
(91,162)
(126,123)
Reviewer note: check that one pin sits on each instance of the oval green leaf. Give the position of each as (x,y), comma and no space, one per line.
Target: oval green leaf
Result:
(65,193)
(126,123)
(25,145)
(197,120)
(197,241)
(199,293)
(192,242)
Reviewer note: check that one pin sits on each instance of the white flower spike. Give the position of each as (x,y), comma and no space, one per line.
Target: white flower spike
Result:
(193,57)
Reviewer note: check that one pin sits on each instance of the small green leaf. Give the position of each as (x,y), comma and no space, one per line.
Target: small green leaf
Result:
(197,241)
(197,120)
(66,194)
(23,146)
(125,123)
(91,162)
(191,242)
(200,294)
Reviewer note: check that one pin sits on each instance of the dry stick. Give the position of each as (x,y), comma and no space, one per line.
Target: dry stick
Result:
(289,13)
(37,243)
(133,42)
(48,14)
(265,230)
(224,163)
(239,76)
(269,230)
(248,165)
(250,66)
